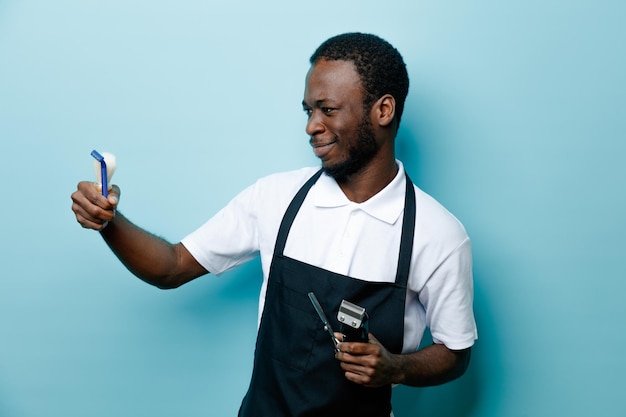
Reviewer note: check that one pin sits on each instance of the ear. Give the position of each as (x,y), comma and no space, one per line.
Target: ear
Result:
(384,110)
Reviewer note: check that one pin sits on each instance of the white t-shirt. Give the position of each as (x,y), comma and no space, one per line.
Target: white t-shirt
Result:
(360,240)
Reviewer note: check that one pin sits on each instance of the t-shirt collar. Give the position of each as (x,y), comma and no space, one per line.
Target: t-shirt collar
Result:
(387,205)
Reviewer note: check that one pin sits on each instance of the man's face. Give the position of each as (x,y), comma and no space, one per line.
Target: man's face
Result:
(340,129)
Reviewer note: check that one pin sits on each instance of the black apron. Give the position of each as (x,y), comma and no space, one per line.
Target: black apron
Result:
(295,371)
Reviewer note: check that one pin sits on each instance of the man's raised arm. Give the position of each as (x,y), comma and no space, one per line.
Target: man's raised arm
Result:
(151,258)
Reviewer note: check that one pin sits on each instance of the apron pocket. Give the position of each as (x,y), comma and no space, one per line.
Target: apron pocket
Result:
(292,350)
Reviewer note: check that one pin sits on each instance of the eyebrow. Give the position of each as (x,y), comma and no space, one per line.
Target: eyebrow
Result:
(318,103)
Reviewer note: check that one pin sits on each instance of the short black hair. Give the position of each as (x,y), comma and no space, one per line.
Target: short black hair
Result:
(378,63)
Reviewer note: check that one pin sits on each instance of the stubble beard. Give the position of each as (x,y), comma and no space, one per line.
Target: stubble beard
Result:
(359,155)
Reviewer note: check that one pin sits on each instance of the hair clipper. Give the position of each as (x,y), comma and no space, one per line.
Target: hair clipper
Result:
(353,321)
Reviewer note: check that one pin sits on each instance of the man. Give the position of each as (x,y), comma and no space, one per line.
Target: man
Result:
(357,229)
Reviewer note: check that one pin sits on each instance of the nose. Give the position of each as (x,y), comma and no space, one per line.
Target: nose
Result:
(314,125)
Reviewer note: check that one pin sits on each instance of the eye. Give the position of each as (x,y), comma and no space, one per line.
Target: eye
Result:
(307,111)
(327,110)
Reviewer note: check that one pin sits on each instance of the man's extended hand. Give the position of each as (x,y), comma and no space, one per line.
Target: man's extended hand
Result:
(92,210)
(368,364)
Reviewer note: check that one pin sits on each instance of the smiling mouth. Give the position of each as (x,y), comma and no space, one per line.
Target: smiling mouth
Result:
(322,148)
(319,144)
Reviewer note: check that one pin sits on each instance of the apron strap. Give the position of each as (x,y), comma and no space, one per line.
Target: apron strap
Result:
(408,234)
(290,214)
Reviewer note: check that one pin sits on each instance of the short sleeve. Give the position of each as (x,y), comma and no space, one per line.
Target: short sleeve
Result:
(229,238)
(448,297)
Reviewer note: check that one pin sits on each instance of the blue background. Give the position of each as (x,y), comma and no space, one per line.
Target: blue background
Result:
(515,121)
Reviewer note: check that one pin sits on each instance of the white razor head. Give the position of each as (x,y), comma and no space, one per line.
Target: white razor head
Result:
(351,314)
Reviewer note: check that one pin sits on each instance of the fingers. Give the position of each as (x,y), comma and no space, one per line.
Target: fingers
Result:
(358,353)
(359,374)
(92,210)
(360,369)
(114,195)
(359,348)
(364,363)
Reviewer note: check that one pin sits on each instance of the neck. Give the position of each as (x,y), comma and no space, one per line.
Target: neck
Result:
(363,185)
